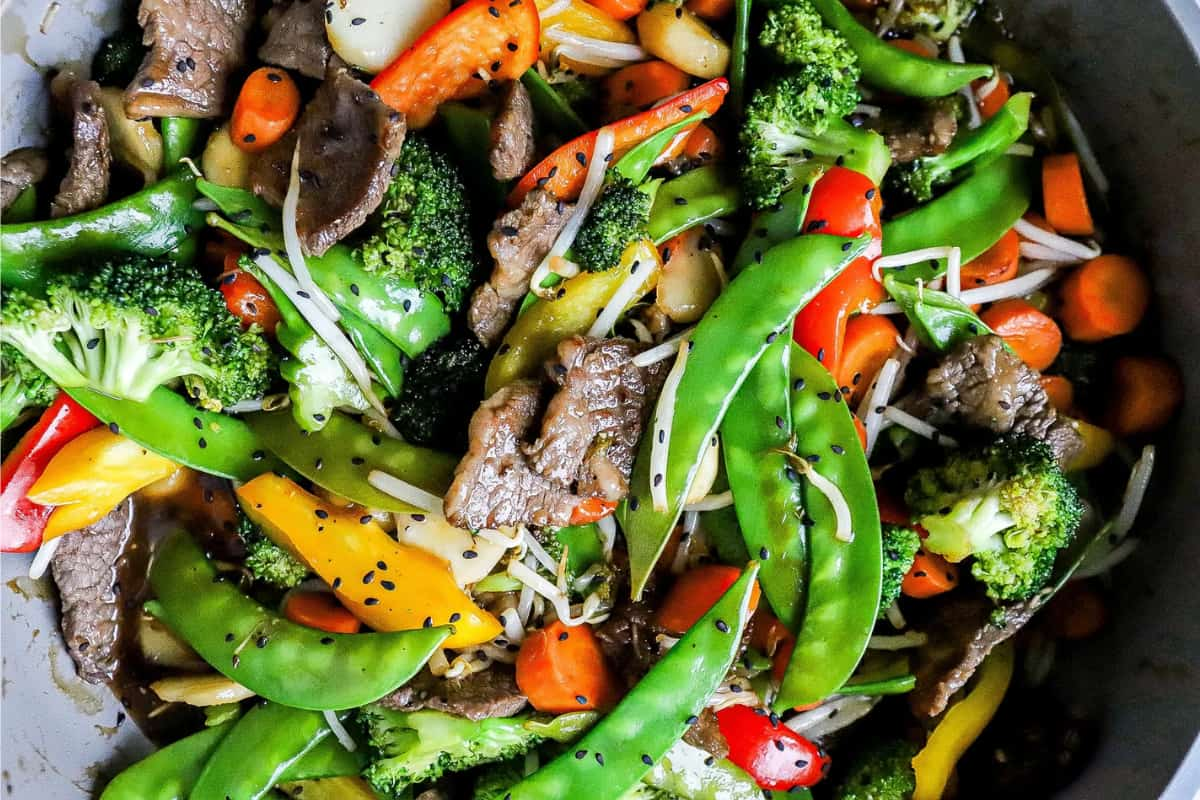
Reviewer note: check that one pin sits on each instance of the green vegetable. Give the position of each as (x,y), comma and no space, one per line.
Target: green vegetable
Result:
(794,35)
(623,746)
(941,320)
(442,388)
(118,58)
(179,137)
(880,771)
(727,342)
(1007,504)
(131,325)
(900,546)
(551,107)
(277,659)
(421,231)
(692,199)
(617,219)
(267,561)
(22,386)
(169,773)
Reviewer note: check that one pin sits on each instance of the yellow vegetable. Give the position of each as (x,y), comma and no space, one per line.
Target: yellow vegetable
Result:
(582,19)
(1097,445)
(135,142)
(224,163)
(683,39)
(412,589)
(212,689)
(537,332)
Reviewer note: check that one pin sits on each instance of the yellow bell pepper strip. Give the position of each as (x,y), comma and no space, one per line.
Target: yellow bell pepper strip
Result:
(579,301)
(962,724)
(387,585)
(91,475)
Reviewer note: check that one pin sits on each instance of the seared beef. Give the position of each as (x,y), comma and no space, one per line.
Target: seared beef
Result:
(85,569)
(19,170)
(494,484)
(195,48)
(593,424)
(512,151)
(518,242)
(480,695)
(983,384)
(85,186)
(706,734)
(916,132)
(297,40)
(349,141)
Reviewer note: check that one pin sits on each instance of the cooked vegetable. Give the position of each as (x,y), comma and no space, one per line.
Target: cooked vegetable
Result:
(270,563)
(881,770)
(1032,335)
(23,387)
(1106,297)
(679,37)
(563,669)
(900,546)
(1063,196)
(370,35)
(778,758)
(267,106)
(1145,394)
(617,220)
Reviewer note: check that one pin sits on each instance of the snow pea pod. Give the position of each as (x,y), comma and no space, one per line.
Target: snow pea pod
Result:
(942,321)
(844,577)
(341,455)
(692,199)
(167,424)
(275,658)
(769,228)
(895,70)
(551,108)
(623,746)
(745,318)
(754,436)
(169,773)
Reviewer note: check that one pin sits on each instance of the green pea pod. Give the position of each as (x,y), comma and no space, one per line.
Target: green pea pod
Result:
(167,424)
(740,50)
(179,136)
(614,755)
(341,455)
(551,108)
(169,773)
(844,577)
(271,656)
(971,216)
(727,342)
(149,222)
(755,437)
(469,131)
(24,208)
(769,228)
(384,358)
(892,69)
(940,320)
(637,163)
(900,684)
(692,199)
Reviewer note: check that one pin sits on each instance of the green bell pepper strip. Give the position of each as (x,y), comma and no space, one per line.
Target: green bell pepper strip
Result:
(942,321)
(179,137)
(705,195)
(551,108)
(341,455)
(385,360)
(470,133)
(167,424)
(623,746)
(754,437)
(169,773)
(755,309)
(769,228)
(271,656)
(149,222)
(740,49)
(637,163)
(900,684)
(971,216)
(844,578)
(24,208)
(886,67)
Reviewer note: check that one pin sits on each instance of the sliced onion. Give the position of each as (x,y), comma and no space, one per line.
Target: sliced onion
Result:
(1017,287)
(663,351)
(1027,230)
(918,426)
(660,446)
(343,736)
(841,509)
(41,560)
(711,502)
(291,242)
(879,398)
(413,495)
(592,47)
(621,299)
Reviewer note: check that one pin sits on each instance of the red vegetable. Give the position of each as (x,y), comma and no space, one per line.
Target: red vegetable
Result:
(22,521)
(776,757)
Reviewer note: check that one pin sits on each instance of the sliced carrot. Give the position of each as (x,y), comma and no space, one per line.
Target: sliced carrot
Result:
(620,9)
(930,575)
(1078,611)
(1107,296)
(703,144)
(562,669)
(695,592)
(711,10)
(1031,334)
(870,340)
(1063,196)
(320,610)
(1146,392)
(997,264)
(995,99)
(639,86)
(913,46)
(266,108)
(1060,390)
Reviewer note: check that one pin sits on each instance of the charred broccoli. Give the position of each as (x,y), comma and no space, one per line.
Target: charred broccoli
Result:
(617,219)
(900,546)
(22,386)
(880,771)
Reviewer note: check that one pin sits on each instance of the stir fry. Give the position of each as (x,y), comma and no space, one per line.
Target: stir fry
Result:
(677,400)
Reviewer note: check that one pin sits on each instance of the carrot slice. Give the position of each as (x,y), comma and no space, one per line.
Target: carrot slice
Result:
(930,575)
(711,10)
(1060,390)
(997,264)
(320,610)
(1063,195)
(562,669)
(1107,296)
(1146,392)
(870,340)
(266,108)
(620,9)
(695,592)
(640,86)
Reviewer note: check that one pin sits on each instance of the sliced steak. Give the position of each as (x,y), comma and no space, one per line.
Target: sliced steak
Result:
(85,186)
(917,131)
(297,38)
(592,426)
(480,695)
(512,151)
(19,170)
(195,48)
(519,241)
(706,734)
(983,384)
(494,484)
(85,569)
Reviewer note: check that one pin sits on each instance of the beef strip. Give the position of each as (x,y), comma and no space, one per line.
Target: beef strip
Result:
(85,186)
(519,241)
(512,151)
(913,132)
(195,47)
(592,425)
(297,40)
(19,170)
(494,484)
(480,695)
(983,384)
(85,569)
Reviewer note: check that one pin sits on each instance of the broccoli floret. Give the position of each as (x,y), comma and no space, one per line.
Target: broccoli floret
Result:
(422,228)
(442,388)
(794,34)
(126,327)
(938,19)
(22,386)
(617,219)
(267,561)
(900,546)
(880,771)
(1007,504)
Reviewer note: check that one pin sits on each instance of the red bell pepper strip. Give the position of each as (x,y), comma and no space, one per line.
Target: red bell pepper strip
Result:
(773,754)
(21,520)
(499,38)
(562,172)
